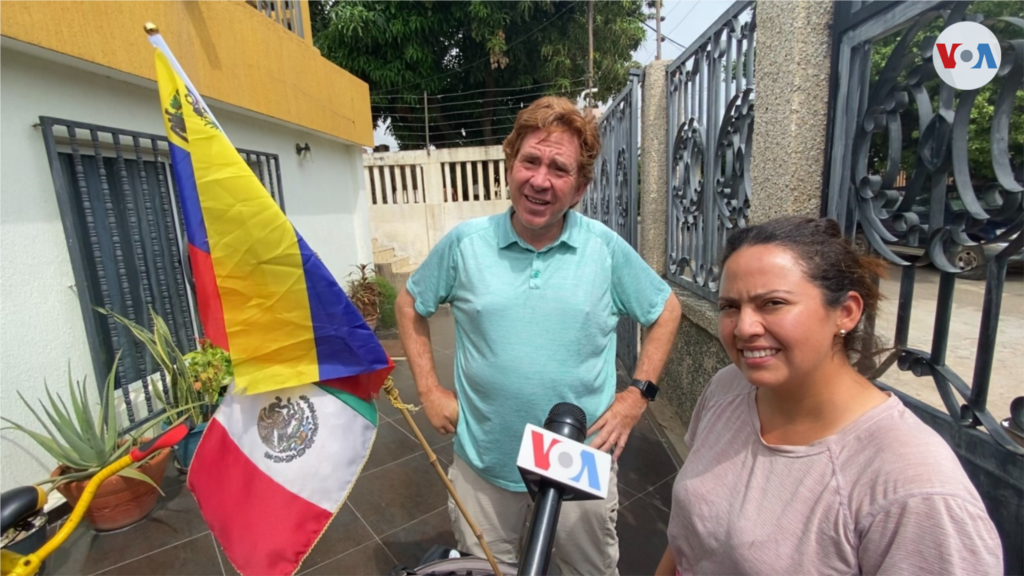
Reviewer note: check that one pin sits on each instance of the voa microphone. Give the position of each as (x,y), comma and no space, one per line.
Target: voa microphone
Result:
(557,466)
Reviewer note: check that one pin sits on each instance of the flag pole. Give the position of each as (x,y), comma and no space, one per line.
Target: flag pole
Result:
(392,392)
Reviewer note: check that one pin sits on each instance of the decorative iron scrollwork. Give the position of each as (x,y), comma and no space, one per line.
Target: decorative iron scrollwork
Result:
(899,118)
(612,197)
(711,118)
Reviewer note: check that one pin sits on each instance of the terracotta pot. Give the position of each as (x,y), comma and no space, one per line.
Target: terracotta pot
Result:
(120,501)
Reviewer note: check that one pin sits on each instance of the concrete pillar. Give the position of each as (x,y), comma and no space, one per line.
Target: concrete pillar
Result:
(697,354)
(433,198)
(791,71)
(653,175)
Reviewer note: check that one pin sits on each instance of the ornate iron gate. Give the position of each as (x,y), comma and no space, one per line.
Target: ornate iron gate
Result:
(612,197)
(711,129)
(901,171)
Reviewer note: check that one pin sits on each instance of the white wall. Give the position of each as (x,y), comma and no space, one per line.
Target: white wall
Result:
(41,327)
(424,186)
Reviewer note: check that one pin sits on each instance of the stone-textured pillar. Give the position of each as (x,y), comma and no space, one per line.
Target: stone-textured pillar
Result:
(791,71)
(653,175)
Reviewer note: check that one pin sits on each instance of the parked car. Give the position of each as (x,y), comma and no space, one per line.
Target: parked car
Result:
(971,260)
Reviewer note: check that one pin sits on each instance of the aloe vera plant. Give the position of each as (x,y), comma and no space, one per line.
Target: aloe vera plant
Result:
(82,442)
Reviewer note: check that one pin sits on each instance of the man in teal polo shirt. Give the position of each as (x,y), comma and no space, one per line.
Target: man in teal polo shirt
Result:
(536,293)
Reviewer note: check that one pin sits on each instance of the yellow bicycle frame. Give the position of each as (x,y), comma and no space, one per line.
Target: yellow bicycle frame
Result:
(29,565)
(12,564)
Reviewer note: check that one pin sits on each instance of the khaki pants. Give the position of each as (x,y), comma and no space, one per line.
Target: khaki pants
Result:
(585,540)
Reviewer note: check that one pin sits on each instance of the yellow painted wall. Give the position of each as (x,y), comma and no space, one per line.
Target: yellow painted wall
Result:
(231,51)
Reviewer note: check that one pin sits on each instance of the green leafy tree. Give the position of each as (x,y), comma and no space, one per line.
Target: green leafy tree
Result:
(490,58)
(979,150)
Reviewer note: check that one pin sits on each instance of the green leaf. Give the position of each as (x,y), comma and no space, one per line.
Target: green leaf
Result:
(49,444)
(143,335)
(108,434)
(76,400)
(67,453)
(89,424)
(133,473)
(66,478)
(122,449)
(71,437)
(62,422)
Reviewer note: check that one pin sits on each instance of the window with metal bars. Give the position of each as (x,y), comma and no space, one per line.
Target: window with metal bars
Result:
(125,235)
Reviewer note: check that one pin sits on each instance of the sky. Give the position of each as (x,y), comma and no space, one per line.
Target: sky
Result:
(684,21)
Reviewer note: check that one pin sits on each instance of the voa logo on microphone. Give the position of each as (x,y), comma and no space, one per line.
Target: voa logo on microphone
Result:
(966,55)
(572,464)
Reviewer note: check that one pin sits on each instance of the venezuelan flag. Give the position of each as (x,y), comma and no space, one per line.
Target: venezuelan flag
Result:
(262,293)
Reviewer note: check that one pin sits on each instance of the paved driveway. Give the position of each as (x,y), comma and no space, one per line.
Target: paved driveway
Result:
(1008,369)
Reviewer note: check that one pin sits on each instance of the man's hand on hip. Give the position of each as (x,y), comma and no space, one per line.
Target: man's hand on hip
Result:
(618,421)
(442,409)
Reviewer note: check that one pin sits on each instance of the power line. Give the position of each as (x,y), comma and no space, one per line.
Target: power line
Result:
(683,19)
(677,5)
(467,111)
(486,58)
(473,101)
(464,130)
(463,141)
(420,124)
(664,36)
(476,91)
(421,115)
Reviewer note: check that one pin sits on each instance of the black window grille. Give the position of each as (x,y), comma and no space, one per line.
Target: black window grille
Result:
(124,230)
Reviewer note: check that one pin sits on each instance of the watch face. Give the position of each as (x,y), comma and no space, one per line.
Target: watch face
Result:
(648,389)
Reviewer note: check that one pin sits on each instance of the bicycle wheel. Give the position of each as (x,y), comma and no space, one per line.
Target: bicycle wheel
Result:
(465,566)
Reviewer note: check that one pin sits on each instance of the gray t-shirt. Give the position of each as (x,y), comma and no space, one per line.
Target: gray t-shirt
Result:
(885,495)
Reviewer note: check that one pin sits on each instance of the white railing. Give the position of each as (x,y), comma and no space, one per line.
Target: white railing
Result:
(416,197)
(287,13)
(455,174)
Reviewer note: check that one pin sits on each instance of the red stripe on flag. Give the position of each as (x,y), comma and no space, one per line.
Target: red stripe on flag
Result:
(211,311)
(263,528)
(365,386)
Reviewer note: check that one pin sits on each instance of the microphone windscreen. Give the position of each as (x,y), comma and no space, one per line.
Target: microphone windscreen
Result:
(569,409)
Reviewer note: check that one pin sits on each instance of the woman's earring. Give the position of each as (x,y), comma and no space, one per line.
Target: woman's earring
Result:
(842,332)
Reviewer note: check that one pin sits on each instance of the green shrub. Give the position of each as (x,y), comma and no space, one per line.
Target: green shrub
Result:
(387,303)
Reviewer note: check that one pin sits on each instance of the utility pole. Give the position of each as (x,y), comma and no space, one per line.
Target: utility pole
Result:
(426,120)
(657,20)
(590,75)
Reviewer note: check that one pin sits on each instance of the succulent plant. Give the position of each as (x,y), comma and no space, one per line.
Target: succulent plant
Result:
(81,441)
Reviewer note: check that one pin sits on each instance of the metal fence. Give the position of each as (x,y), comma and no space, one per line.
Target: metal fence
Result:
(891,113)
(612,197)
(125,235)
(710,91)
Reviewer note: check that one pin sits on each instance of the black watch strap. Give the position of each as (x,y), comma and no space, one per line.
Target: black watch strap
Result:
(647,388)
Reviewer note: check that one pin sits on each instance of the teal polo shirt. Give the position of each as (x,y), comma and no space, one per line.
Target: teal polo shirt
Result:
(532,327)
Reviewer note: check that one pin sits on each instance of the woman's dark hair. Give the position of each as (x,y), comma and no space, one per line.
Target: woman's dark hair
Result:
(832,264)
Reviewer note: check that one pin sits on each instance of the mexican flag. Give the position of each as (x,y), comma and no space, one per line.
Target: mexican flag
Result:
(273,469)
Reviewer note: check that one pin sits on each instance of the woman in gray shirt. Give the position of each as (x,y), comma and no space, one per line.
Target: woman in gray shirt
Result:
(798,464)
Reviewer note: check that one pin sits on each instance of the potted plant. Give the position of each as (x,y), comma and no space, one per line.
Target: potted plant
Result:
(365,294)
(196,380)
(84,442)
(210,371)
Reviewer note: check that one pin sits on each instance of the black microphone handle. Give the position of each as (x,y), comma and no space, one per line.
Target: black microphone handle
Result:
(546,508)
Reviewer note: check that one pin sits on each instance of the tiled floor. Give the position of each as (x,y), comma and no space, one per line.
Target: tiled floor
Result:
(395,513)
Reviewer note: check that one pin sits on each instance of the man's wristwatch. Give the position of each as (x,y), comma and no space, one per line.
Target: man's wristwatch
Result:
(647,389)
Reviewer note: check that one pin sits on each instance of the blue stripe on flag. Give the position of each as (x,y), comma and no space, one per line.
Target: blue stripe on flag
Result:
(345,345)
(188,194)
